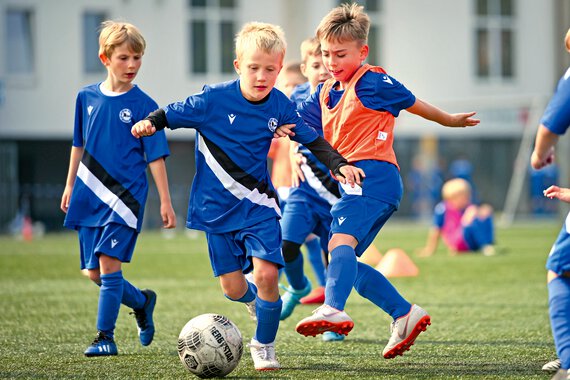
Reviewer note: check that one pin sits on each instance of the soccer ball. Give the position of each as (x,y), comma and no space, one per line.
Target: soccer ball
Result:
(210,345)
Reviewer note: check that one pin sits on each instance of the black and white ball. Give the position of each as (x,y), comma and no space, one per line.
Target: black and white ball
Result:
(210,345)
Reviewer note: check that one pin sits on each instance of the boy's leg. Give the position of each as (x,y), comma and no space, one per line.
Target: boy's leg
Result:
(559,310)
(299,285)
(313,244)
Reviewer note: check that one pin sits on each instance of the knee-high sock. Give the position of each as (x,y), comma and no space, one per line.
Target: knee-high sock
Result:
(316,259)
(249,295)
(110,297)
(373,286)
(267,320)
(559,309)
(295,273)
(132,296)
(340,277)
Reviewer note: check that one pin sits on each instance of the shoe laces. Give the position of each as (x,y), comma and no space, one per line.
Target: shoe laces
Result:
(100,338)
(263,351)
(140,316)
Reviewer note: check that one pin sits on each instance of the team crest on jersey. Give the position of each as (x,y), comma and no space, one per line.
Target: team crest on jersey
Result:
(125,115)
(272,124)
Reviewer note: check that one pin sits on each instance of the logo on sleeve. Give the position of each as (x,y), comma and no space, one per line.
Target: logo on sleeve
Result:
(382,136)
(272,124)
(387,79)
(232,117)
(89,110)
(125,115)
(114,242)
(341,220)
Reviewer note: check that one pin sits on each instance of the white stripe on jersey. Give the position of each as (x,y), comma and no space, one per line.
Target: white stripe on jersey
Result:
(234,187)
(106,195)
(317,185)
(567,223)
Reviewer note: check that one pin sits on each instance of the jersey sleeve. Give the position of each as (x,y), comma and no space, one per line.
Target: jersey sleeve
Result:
(310,109)
(78,126)
(382,92)
(189,113)
(155,146)
(439,215)
(556,117)
(303,133)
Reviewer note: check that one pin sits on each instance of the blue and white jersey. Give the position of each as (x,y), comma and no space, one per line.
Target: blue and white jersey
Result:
(111,184)
(232,189)
(556,117)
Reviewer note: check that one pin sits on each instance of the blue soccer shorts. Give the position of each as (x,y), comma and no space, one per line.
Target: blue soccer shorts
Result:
(479,233)
(234,250)
(361,217)
(559,257)
(114,240)
(300,220)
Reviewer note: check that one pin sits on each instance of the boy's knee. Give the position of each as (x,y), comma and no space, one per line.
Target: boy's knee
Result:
(94,275)
(485,211)
(266,275)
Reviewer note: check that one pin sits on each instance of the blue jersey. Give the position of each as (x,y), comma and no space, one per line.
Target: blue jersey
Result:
(556,117)
(300,93)
(379,92)
(232,189)
(111,184)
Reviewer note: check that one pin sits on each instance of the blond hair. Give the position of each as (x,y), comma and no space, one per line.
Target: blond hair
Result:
(115,33)
(258,35)
(311,47)
(454,187)
(347,22)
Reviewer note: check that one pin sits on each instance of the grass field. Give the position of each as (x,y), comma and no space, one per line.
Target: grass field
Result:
(489,314)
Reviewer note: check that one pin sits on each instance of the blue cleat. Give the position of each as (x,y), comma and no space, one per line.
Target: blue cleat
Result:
(102,346)
(331,336)
(292,298)
(143,316)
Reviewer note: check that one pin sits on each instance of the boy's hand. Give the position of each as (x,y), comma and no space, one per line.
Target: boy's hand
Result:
(284,130)
(168,216)
(351,175)
(143,128)
(463,120)
(558,192)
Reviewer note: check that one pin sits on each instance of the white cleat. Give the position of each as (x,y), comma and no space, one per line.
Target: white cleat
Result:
(405,330)
(552,366)
(263,355)
(325,318)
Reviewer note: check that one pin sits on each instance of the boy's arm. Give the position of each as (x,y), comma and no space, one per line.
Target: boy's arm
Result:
(75,158)
(431,243)
(155,121)
(561,193)
(430,112)
(158,171)
(543,153)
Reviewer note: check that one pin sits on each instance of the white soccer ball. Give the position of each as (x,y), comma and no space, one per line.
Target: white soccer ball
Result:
(210,345)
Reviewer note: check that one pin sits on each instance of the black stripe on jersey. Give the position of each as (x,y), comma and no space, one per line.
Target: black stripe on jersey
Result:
(110,183)
(323,177)
(237,173)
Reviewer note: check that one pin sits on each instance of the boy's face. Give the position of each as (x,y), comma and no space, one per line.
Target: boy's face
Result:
(258,72)
(315,71)
(342,59)
(123,64)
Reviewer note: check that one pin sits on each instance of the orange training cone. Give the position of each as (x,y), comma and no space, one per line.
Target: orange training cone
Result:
(371,256)
(396,263)
(27,229)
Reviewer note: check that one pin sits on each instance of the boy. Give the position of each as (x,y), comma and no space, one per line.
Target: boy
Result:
(232,198)
(463,226)
(357,108)
(106,186)
(555,122)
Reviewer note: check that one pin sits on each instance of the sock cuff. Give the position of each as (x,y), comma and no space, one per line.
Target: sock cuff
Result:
(112,276)
(343,250)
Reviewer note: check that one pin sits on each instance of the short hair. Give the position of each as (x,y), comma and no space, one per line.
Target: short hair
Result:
(292,68)
(258,35)
(347,22)
(455,187)
(311,47)
(115,33)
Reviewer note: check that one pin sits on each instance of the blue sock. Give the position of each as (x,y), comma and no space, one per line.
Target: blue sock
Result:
(132,296)
(341,276)
(295,273)
(559,310)
(267,320)
(110,297)
(316,259)
(249,295)
(373,286)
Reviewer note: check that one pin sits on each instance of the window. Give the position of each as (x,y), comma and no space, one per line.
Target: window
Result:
(211,32)
(91,27)
(495,39)
(373,9)
(19,54)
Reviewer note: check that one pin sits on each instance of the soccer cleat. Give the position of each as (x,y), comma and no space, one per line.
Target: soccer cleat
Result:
(145,324)
(102,346)
(317,296)
(552,366)
(325,318)
(252,310)
(263,355)
(292,298)
(405,330)
(329,336)
(561,374)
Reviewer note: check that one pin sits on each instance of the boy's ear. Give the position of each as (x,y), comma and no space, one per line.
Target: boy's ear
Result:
(304,69)
(104,59)
(236,66)
(364,52)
